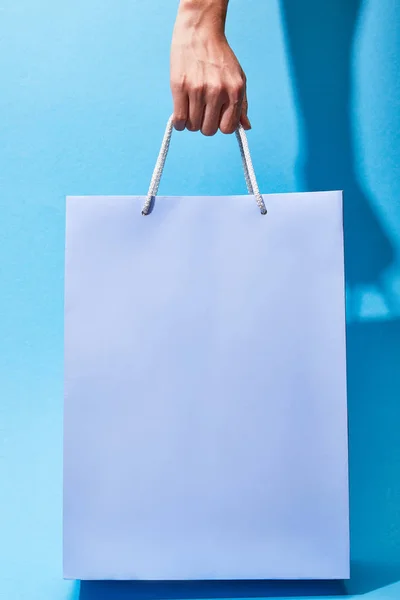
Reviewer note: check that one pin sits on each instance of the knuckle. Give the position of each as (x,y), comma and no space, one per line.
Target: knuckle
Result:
(192,126)
(197,89)
(228,129)
(177,85)
(208,132)
(179,117)
(237,91)
(214,90)
(179,124)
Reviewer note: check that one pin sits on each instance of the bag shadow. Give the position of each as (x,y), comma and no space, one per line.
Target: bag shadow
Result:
(320,37)
(179,590)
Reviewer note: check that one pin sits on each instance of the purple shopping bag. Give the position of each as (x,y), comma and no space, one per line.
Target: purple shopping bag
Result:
(205,386)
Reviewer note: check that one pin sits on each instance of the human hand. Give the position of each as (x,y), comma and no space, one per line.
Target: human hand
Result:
(207,82)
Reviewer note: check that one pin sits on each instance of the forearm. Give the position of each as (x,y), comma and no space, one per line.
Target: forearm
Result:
(209,15)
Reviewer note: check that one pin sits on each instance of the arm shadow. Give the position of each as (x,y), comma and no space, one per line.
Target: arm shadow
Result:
(320,38)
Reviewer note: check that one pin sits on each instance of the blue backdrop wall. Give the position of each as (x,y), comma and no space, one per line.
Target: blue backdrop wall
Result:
(83,104)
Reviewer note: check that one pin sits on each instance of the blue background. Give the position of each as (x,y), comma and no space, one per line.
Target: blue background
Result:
(83,104)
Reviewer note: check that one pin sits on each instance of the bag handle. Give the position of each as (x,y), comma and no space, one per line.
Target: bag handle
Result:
(249,174)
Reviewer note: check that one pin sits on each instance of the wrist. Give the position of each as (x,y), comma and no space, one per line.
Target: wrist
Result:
(203,15)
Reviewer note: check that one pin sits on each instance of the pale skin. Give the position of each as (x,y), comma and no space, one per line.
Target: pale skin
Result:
(207,82)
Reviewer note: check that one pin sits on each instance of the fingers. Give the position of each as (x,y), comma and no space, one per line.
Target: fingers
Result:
(212,113)
(189,105)
(244,119)
(196,108)
(181,107)
(231,112)
(211,108)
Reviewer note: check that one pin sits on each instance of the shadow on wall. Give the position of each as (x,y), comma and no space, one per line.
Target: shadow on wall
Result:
(320,42)
(320,39)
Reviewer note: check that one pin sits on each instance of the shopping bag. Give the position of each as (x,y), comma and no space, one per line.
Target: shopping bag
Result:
(205,386)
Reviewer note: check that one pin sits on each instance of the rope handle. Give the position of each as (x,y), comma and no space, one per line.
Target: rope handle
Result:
(249,174)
